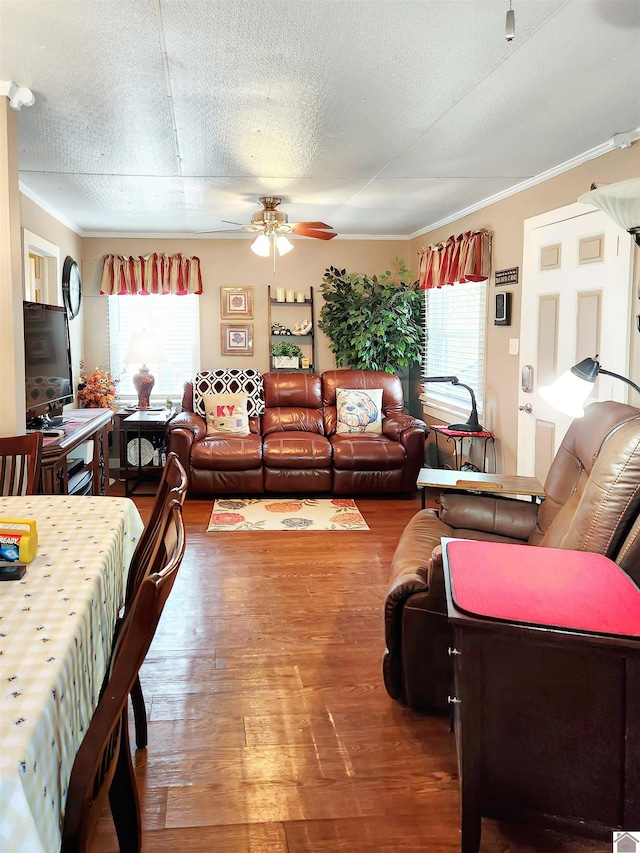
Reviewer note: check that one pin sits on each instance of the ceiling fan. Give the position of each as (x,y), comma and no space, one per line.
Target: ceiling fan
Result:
(273,225)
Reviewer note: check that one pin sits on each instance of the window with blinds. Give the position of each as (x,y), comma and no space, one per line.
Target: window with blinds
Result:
(175,319)
(455,321)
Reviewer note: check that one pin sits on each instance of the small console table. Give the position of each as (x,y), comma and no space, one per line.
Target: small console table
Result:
(78,426)
(458,437)
(547,687)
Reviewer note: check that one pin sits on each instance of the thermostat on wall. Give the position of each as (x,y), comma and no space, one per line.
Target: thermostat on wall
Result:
(503,309)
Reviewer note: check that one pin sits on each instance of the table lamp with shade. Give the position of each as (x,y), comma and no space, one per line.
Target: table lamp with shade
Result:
(144,346)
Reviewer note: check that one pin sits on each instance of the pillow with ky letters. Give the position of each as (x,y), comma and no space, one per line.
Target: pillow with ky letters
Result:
(226,414)
(359,411)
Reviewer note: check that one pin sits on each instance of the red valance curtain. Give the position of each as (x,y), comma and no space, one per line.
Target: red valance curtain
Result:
(466,257)
(158,274)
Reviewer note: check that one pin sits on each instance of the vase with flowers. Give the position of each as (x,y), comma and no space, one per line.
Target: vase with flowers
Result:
(97,390)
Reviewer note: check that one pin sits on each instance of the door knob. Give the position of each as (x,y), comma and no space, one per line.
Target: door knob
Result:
(528,408)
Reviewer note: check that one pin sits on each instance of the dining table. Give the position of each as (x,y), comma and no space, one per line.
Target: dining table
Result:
(56,632)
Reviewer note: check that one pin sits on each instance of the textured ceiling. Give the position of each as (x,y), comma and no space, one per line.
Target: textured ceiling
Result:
(380,117)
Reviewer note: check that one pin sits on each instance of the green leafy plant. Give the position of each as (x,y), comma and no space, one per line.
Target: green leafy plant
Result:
(373,322)
(286,349)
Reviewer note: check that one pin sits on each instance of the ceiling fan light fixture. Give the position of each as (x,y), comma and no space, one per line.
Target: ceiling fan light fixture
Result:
(260,245)
(283,244)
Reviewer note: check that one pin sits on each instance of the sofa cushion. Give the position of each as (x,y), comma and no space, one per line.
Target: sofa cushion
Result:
(359,410)
(364,452)
(227,453)
(226,414)
(229,381)
(297,450)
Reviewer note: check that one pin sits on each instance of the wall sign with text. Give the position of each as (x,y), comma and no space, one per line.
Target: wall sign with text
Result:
(509,276)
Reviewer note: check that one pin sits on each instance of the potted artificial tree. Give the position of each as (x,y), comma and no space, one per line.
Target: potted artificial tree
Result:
(376,323)
(286,354)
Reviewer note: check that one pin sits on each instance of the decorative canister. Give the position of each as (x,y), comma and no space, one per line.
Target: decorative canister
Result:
(279,294)
(290,296)
(300,297)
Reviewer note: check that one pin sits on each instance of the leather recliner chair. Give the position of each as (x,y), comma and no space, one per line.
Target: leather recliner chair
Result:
(592,501)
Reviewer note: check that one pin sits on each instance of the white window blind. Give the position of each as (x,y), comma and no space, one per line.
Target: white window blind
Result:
(175,319)
(455,321)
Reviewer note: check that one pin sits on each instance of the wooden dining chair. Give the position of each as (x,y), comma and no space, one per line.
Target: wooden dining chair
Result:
(146,558)
(103,765)
(20,457)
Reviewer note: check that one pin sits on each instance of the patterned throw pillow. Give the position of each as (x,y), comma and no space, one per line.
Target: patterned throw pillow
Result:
(359,411)
(230,380)
(226,414)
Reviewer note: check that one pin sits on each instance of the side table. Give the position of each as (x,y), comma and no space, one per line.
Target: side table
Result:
(473,481)
(458,437)
(145,454)
(547,687)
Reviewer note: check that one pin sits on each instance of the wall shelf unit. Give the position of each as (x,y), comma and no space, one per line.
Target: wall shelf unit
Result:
(288,314)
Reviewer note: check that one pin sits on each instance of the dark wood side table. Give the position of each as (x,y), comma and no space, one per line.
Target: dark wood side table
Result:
(547,718)
(144,455)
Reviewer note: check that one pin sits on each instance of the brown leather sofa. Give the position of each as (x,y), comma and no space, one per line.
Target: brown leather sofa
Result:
(293,446)
(592,503)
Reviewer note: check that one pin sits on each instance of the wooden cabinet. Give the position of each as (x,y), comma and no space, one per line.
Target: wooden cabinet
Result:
(546,718)
(288,314)
(79,427)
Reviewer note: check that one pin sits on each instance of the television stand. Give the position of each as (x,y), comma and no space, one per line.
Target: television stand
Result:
(79,426)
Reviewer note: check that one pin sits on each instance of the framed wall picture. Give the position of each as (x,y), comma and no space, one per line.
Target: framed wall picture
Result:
(236,338)
(236,303)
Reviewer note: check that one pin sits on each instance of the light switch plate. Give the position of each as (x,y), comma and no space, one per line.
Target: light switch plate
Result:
(514,346)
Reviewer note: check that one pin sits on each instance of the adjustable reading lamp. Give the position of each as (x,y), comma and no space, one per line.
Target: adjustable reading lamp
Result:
(472,424)
(568,393)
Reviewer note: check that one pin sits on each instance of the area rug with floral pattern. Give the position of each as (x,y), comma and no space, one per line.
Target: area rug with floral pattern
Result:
(286,514)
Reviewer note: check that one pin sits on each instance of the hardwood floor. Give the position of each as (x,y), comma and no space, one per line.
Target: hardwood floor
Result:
(270,729)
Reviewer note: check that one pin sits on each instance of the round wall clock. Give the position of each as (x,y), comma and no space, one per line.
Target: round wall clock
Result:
(71,287)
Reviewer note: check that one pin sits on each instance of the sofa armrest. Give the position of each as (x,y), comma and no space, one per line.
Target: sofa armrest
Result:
(182,431)
(188,421)
(393,426)
(495,515)
(411,567)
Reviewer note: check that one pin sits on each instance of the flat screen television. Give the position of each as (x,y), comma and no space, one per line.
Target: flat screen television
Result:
(47,361)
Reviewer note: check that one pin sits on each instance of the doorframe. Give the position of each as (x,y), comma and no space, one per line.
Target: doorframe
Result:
(32,244)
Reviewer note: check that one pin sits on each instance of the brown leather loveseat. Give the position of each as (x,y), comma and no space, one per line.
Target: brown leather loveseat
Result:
(293,446)
(592,503)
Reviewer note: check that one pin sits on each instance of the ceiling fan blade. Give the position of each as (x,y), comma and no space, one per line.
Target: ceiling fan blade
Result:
(312,225)
(311,232)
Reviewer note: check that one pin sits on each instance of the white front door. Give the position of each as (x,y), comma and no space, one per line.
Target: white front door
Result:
(576,303)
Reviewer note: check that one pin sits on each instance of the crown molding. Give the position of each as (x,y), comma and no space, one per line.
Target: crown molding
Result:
(620,140)
(19,96)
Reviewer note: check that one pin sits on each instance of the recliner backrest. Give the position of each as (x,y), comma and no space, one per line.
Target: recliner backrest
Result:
(293,401)
(593,486)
